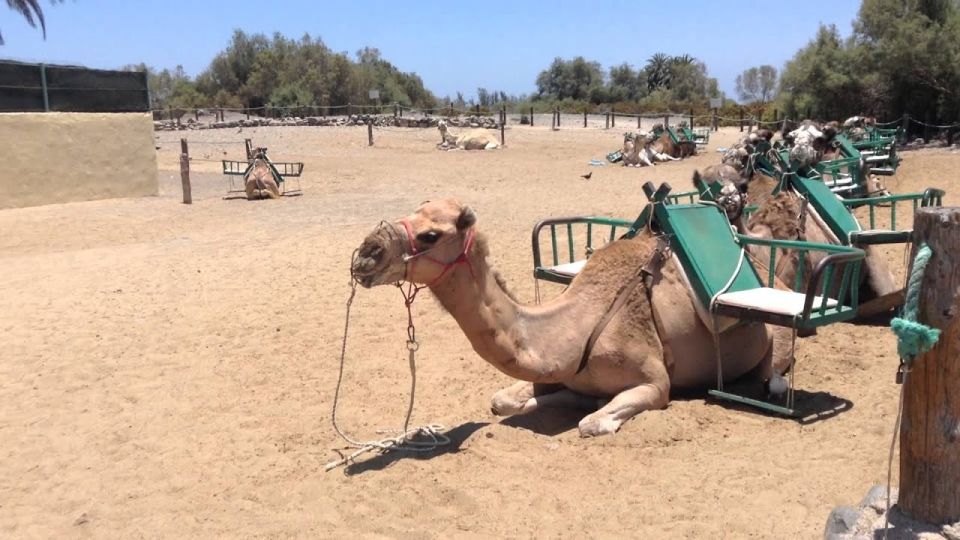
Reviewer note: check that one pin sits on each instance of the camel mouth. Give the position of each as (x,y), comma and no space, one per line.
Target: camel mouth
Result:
(372,260)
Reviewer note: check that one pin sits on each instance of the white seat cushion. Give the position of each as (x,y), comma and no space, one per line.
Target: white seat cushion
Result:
(568,269)
(771,300)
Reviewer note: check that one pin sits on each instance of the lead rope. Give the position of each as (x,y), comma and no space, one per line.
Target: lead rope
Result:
(402,440)
(913,339)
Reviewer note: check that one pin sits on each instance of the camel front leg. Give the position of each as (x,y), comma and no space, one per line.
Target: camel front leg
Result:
(623,407)
(645,159)
(516,398)
(665,157)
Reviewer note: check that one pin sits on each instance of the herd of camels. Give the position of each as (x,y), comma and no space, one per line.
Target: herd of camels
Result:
(657,342)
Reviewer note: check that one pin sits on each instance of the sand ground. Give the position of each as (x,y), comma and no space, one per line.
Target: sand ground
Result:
(168,370)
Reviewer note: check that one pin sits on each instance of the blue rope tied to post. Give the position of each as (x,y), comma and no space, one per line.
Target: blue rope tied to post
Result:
(914,338)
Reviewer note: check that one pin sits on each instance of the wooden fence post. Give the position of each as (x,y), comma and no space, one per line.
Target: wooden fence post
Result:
(185,172)
(715,123)
(370,132)
(639,119)
(553,120)
(741,119)
(248,145)
(666,121)
(196,114)
(558,117)
(606,117)
(691,119)
(531,116)
(930,432)
(503,138)
(584,118)
(613,117)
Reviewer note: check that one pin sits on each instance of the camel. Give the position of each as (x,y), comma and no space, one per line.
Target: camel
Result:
(641,149)
(474,139)
(259,182)
(655,343)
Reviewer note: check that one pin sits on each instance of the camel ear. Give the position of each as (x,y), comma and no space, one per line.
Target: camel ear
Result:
(466,219)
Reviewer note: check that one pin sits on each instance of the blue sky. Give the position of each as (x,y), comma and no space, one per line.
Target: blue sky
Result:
(500,45)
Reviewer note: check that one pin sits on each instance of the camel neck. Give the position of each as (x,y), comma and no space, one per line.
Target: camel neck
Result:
(496,325)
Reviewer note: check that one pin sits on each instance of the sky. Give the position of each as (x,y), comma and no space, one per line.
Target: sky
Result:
(453,46)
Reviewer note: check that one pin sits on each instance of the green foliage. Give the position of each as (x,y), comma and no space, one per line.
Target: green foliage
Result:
(678,81)
(255,70)
(904,56)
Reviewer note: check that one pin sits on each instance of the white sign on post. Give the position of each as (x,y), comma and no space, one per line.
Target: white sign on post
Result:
(374,94)
(716,103)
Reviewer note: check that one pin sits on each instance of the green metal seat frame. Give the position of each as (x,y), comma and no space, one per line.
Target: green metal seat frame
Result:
(715,262)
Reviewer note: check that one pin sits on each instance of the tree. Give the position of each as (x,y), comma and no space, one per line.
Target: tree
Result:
(31,11)
(757,84)
(573,79)
(658,72)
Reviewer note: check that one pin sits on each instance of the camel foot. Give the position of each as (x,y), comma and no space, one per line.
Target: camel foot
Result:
(521,397)
(598,424)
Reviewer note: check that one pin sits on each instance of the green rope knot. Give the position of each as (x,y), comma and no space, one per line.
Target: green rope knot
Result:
(914,338)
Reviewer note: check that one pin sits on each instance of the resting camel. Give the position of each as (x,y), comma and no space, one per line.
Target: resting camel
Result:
(655,343)
(259,183)
(474,139)
(640,149)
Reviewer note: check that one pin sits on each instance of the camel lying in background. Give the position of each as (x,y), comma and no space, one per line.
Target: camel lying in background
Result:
(641,149)
(260,183)
(474,139)
(656,342)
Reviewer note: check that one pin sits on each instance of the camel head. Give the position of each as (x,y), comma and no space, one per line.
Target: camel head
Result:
(420,248)
(442,126)
(259,152)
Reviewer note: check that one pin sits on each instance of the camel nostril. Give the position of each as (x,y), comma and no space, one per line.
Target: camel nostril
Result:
(376,253)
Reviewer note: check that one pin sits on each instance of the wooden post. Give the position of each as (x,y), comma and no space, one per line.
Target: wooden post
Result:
(584,118)
(715,124)
(196,114)
(349,108)
(553,121)
(531,116)
(930,432)
(170,113)
(613,117)
(606,117)
(185,172)
(503,138)
(248,145)
(478,109)
(776,116)
(666,121)
(370,132)
(691,119)
(639,118)
(741,119)
(558,117)
(247,111)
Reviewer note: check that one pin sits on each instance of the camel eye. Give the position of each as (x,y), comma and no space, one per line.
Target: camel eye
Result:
(429,237)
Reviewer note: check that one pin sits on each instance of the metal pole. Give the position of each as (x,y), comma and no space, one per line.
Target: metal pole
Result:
(43,85)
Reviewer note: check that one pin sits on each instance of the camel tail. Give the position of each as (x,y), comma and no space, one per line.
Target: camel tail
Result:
(696,178)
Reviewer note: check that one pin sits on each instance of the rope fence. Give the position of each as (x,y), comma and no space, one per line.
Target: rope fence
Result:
(746,121)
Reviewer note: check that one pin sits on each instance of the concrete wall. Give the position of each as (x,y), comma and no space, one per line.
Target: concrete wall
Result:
(66,157)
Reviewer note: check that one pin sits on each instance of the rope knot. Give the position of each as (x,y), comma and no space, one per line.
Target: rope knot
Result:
(914,338)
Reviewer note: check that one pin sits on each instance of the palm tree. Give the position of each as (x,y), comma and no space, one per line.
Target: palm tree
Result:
(658,71)
(30,9)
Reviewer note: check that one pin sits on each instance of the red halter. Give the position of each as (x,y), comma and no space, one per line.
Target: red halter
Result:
(447,266)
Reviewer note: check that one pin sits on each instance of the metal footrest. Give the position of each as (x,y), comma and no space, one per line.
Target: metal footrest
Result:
(760,404)
(883,171)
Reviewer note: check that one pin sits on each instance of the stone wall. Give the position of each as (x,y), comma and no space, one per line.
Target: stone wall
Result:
(67,157)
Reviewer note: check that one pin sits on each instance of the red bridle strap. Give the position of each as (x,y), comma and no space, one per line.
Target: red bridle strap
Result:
(463,258)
